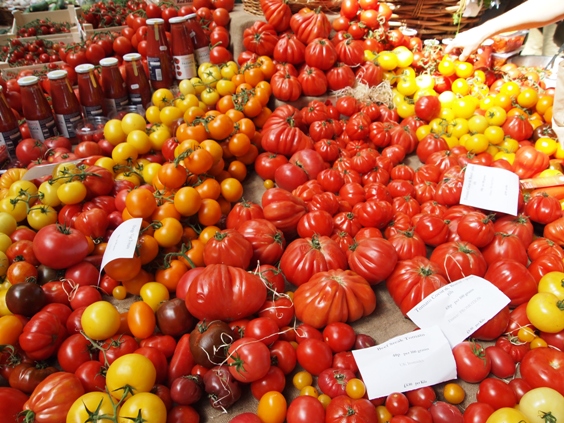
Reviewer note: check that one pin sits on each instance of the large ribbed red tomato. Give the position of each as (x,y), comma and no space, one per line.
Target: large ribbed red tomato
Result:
(305,257)
(412,281)
(226,293)
(373,258)
(334,296)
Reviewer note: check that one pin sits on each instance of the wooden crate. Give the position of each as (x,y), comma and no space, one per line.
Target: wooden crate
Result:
(8,73)
(77,33)
(67,15)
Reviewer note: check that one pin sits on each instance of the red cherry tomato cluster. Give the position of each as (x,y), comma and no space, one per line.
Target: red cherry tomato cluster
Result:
(40,27)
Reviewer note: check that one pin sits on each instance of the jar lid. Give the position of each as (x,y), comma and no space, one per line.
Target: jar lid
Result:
(178,19)
(85,68)
(131,56)
(190,16)
(57,74)
(488,42)
(109,61)
(154,21)
(27,80)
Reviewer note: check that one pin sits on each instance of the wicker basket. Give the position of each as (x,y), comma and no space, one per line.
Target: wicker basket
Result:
(253,6)
(431,18)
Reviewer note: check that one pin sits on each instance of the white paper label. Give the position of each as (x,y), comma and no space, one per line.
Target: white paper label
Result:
(122,242)
(490,188)
(459,308)
(415,360)
(44,170)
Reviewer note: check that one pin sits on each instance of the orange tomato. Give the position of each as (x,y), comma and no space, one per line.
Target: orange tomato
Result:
(141,320)
(209,212)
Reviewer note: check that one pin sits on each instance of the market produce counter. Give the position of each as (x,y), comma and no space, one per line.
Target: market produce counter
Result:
(385,323)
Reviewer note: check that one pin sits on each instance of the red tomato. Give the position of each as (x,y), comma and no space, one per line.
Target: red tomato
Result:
(496,393)
(314,356)
(472,363)
(543,367)
(305,409)
(249,359)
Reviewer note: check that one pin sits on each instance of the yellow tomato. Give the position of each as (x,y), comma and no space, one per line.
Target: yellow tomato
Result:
(113,132)
(170,114)
(477,143)
(302,379)
(425,81)
(422,132)
(458,127)
(100,320)
(446,67)
(144,407)
(477,124)
(186,87)
(139,140)
(460,87)
(154,294)
(92,405)
(463,69)
(133,121)
(404,55)
(546,145)
(7,223)
(502,155)
(494,134)
(528,98)
(507,415)
(133,370)
(406,86)
(162,97)
(5,241)
(387,60)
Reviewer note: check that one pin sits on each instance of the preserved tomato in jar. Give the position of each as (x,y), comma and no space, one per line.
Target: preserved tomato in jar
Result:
(138,86)
(90,92)
(10,134)
(159,60)
(113,86)
(36,109)
(65,104)
(182,49)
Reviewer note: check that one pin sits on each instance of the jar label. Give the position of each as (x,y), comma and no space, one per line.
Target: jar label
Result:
(115,105)
(155,68)
(66,123)
(8,142)
(203,55)
(43,129)
(184,66)
(92,111)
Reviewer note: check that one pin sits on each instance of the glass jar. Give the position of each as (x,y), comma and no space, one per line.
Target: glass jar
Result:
(65,104)
(138,86)
(182,49)
(159,59)
(113,85)
(36,109)
(90,92)
(10,134)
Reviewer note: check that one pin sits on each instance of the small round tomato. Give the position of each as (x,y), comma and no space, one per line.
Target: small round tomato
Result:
(454,393)
(133,370)
(144,406)
(272,407)
(100,320)
(91,405)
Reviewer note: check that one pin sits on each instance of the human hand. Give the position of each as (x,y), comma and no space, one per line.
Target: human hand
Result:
(469,41)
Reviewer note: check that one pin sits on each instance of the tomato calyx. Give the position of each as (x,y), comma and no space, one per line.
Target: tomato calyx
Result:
(27,415)
(182,253)
(478,351)
(547,417)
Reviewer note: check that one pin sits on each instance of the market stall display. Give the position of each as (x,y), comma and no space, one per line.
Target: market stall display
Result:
(286,192)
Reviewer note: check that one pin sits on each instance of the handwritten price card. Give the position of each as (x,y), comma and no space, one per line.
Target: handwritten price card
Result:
(459,308)
(406,362)
(490,188)
(122,242)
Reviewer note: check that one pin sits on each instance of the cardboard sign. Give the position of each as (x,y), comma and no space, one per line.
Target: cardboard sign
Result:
(490,188)
(459,308)
(415,360)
